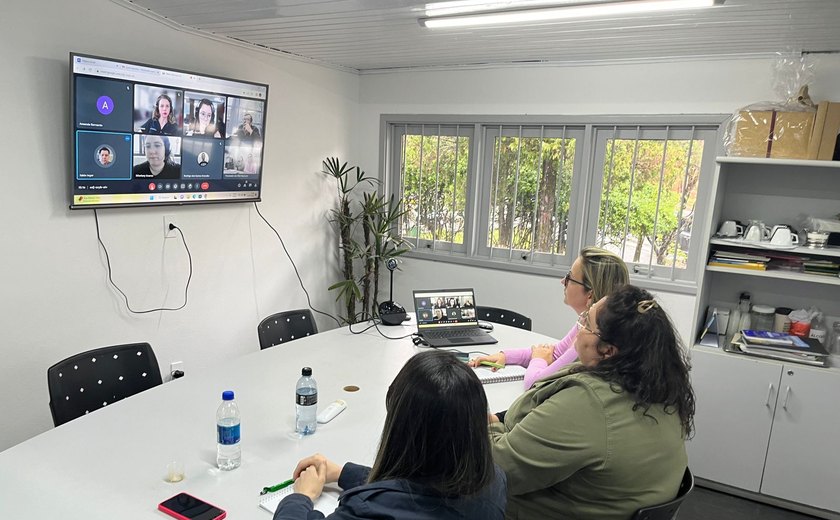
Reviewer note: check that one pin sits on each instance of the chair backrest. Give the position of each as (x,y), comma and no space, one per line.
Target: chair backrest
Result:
(91,380)
(503,316)
(668,510)
(286,326)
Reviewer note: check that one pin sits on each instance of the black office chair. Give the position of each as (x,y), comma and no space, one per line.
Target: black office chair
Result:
(91,380)
(668,510)
(503,316)
(284,327)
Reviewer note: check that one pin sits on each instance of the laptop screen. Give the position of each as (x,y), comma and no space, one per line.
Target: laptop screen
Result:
(445,308)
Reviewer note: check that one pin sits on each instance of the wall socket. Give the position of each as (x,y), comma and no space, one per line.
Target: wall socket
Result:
(169,233)
(175,365)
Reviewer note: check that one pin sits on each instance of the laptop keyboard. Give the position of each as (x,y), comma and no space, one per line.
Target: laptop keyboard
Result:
(449,334)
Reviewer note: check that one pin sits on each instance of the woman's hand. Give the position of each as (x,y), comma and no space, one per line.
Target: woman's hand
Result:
(311,480)
(332,470)
(545,352)
(492,418)
(495,358)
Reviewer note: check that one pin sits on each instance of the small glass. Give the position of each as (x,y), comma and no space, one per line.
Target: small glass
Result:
(174,471)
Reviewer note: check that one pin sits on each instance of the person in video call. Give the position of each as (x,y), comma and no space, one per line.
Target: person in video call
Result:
(205,118)
(433,460)
(159,163)
(104,156)
(594,274)
(605,436)
(162,121)
(247,131)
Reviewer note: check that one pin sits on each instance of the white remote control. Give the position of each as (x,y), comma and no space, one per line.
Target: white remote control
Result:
(333,409)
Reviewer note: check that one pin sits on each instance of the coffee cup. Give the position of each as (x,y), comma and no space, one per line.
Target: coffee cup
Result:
(756,231)
(730,228)
(782,236)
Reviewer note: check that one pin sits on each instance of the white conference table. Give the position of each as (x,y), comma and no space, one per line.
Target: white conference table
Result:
(112,463)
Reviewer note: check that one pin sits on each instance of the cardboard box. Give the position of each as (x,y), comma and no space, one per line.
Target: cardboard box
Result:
(772,133)
(825,141)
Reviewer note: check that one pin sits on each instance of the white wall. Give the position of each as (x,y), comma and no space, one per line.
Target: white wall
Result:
(55,299)
(698,87)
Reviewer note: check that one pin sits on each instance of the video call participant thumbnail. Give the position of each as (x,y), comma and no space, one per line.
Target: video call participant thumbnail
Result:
(163,120)
(206,119)
(103,156)
(103,105)
(201,158)
(160,163)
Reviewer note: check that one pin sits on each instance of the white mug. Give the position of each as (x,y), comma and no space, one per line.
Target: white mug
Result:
(782,236)
(730,228)
(756,231)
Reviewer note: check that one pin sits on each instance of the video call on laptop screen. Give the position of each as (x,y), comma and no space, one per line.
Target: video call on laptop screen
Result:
(445,308)
(144,135)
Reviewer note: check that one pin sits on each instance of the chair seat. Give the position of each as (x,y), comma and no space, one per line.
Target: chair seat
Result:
(91,380)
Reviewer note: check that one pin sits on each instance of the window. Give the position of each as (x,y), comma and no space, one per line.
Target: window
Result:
(523,196)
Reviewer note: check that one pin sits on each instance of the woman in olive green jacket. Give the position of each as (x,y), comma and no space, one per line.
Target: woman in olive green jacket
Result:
(605,436)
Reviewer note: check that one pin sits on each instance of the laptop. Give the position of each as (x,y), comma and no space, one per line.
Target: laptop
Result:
(447,318)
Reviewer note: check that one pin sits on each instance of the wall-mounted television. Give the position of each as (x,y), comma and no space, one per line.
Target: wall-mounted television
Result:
(144,135)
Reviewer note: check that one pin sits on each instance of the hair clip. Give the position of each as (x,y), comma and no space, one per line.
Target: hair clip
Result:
(646,305)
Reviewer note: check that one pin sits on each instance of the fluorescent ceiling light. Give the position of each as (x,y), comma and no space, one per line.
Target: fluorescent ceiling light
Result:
(590,10)
(472,6)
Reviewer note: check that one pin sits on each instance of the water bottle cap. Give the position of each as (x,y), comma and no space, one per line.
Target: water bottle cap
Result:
(306,371)
(227,395)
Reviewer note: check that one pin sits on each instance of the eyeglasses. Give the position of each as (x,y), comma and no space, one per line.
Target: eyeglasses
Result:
(568,278)
(582,320)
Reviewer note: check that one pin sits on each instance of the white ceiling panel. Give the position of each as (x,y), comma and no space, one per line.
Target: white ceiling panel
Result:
(376,35)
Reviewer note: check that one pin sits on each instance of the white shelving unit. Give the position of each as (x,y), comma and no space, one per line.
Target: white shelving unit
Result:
(757,407)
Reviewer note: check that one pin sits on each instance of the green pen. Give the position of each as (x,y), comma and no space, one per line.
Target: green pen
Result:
(278,487)
(491,364)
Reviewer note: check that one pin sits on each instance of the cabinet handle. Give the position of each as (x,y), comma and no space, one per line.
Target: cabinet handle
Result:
(787,395)
(769,394)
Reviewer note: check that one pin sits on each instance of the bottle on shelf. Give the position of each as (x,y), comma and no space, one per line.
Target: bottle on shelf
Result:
(306,403)
(228,448)
(738,316)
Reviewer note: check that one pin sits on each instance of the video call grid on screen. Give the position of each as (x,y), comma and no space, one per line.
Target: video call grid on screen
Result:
(136,124)
(445,308)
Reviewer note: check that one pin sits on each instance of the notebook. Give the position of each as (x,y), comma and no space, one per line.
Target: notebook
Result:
(502,375)
(447,318)
(326,503)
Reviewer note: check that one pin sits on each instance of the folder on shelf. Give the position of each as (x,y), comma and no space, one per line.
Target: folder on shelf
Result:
(714,331)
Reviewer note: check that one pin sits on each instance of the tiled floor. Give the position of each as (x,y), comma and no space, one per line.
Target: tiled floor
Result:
(705,504)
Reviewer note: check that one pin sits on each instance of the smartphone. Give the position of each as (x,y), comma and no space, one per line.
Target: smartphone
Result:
(187,507)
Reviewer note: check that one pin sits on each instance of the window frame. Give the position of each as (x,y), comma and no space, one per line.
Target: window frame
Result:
(586,187)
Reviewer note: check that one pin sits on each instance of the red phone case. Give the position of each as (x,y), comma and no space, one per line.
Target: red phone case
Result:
(162,506)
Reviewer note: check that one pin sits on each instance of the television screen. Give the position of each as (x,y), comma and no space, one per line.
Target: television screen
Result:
(146,136)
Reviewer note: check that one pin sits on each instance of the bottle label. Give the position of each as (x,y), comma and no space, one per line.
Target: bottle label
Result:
(227,434)
(306,400)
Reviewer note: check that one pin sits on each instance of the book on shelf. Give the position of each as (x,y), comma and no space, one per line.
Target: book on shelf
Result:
(766,337)
(719,253)
(745,265)
(778,353)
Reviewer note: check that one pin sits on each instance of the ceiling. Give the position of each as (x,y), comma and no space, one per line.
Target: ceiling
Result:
(370,36)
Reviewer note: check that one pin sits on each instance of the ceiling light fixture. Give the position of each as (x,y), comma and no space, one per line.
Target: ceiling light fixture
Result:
(587,10)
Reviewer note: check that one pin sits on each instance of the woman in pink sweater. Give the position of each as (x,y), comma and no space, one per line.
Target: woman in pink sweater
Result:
(594,274)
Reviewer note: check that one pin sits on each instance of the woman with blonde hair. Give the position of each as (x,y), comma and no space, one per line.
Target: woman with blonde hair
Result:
(594,274)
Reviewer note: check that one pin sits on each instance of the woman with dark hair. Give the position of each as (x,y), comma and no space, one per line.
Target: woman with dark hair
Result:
(204,123)
(433,461)
(605,436)
(159,163)
(163,119)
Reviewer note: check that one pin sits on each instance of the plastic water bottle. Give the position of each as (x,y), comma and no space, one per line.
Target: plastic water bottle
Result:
(228,448)
(306,403)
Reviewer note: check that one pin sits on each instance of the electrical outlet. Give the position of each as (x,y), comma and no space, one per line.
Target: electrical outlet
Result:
(169,233)
(176,365)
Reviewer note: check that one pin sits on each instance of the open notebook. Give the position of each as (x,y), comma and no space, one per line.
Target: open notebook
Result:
(502,375)
(326,503)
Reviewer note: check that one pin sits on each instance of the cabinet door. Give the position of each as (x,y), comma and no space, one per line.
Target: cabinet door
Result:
(803,460)
(734,411)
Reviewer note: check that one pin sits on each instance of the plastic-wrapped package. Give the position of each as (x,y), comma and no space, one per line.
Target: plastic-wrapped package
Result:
(776,129)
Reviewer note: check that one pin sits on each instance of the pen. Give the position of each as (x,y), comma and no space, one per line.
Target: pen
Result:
(278,487)
(491,364)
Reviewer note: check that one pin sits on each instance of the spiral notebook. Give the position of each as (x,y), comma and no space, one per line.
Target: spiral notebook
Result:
(503,375)
(326,503)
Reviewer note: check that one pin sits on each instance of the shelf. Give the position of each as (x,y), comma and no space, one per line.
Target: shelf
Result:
(802,250)
(779,275)
(777,162)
